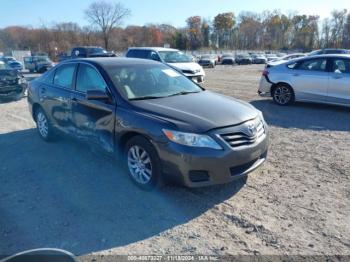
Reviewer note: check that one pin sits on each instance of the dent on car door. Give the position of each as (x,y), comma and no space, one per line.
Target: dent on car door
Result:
(310,80)
(339,83)
(93,119)
(55,96)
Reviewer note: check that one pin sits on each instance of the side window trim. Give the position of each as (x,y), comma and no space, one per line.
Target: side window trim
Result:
(73,80)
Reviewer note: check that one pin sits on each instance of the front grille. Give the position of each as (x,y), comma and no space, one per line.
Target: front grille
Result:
(198,176)
(238,170)
(252,132)
(188,72)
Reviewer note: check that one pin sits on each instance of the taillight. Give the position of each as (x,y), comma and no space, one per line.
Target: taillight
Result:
(265,72)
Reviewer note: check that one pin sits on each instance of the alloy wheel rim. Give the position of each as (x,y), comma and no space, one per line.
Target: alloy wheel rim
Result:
(42,124)
(140,165)
(283,95)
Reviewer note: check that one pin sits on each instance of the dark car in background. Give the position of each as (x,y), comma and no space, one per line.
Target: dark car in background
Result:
(161,124)
(86,52)
(39,64)
(244,59)
(227,59)
(12,83)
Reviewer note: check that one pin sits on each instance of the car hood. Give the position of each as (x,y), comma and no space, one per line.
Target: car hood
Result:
(198,112)
(191,66)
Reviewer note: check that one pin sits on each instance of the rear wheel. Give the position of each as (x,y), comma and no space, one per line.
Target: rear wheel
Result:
(142,163)
(283,95)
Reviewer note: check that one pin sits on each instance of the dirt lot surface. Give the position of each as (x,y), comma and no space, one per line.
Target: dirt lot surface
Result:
(65,196)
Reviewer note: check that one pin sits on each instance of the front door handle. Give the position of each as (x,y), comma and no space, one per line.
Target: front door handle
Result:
(337,77)
(296,74)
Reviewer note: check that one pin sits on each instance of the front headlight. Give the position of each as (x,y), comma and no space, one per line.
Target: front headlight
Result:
(261,116)
(193,140)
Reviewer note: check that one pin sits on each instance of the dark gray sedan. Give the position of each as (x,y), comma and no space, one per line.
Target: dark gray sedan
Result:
(163,125)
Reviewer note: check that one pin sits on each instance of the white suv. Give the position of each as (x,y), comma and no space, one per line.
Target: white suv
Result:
(173,57)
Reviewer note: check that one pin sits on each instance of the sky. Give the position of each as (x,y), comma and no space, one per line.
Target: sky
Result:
(38,12)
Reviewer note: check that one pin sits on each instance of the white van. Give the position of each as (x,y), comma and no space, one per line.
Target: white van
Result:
(172,57)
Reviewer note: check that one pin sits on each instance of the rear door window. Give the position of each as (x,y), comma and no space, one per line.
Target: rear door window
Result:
(64,76)
(318,64)
(139,53)
(341,66)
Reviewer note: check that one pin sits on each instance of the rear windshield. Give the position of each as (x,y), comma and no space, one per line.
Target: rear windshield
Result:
(174,57)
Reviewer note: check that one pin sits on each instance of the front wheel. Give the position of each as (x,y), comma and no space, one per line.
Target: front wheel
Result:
(142,163)
(283,95)
(43,125)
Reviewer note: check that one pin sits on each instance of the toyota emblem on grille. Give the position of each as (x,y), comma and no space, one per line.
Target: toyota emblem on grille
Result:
(252,130)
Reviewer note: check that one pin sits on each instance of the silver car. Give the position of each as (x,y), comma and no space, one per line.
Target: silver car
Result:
(320,79)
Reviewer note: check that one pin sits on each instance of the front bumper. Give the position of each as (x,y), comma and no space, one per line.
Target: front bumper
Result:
(11,90)
(194,167)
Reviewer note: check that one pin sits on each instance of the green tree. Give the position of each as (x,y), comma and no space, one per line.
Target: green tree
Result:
(223,25)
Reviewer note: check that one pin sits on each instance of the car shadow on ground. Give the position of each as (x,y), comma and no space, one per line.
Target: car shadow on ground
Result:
(64,196)
(307,116)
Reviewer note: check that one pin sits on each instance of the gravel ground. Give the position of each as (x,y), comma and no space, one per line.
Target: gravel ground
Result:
(64,195)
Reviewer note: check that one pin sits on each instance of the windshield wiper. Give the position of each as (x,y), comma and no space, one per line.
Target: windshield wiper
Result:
(145,98)
(183,93)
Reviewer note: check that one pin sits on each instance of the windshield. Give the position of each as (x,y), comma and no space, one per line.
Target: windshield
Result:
(150,81)
(174,57)
(97,50)
(43,59)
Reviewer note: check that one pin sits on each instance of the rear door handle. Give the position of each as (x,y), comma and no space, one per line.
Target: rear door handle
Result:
(296,74)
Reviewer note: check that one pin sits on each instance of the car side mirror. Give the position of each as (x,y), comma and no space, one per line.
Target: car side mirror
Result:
(97,95)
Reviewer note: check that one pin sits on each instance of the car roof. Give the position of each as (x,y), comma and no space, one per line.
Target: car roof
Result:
(112,61)
(87,47)
(329,55)
(153,49)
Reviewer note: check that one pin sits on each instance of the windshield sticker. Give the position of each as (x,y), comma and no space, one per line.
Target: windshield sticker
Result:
(171,73)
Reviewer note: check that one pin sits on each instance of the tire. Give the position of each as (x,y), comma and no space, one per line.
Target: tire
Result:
(283,95)
(142,163)
(42,70)
(43,125)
